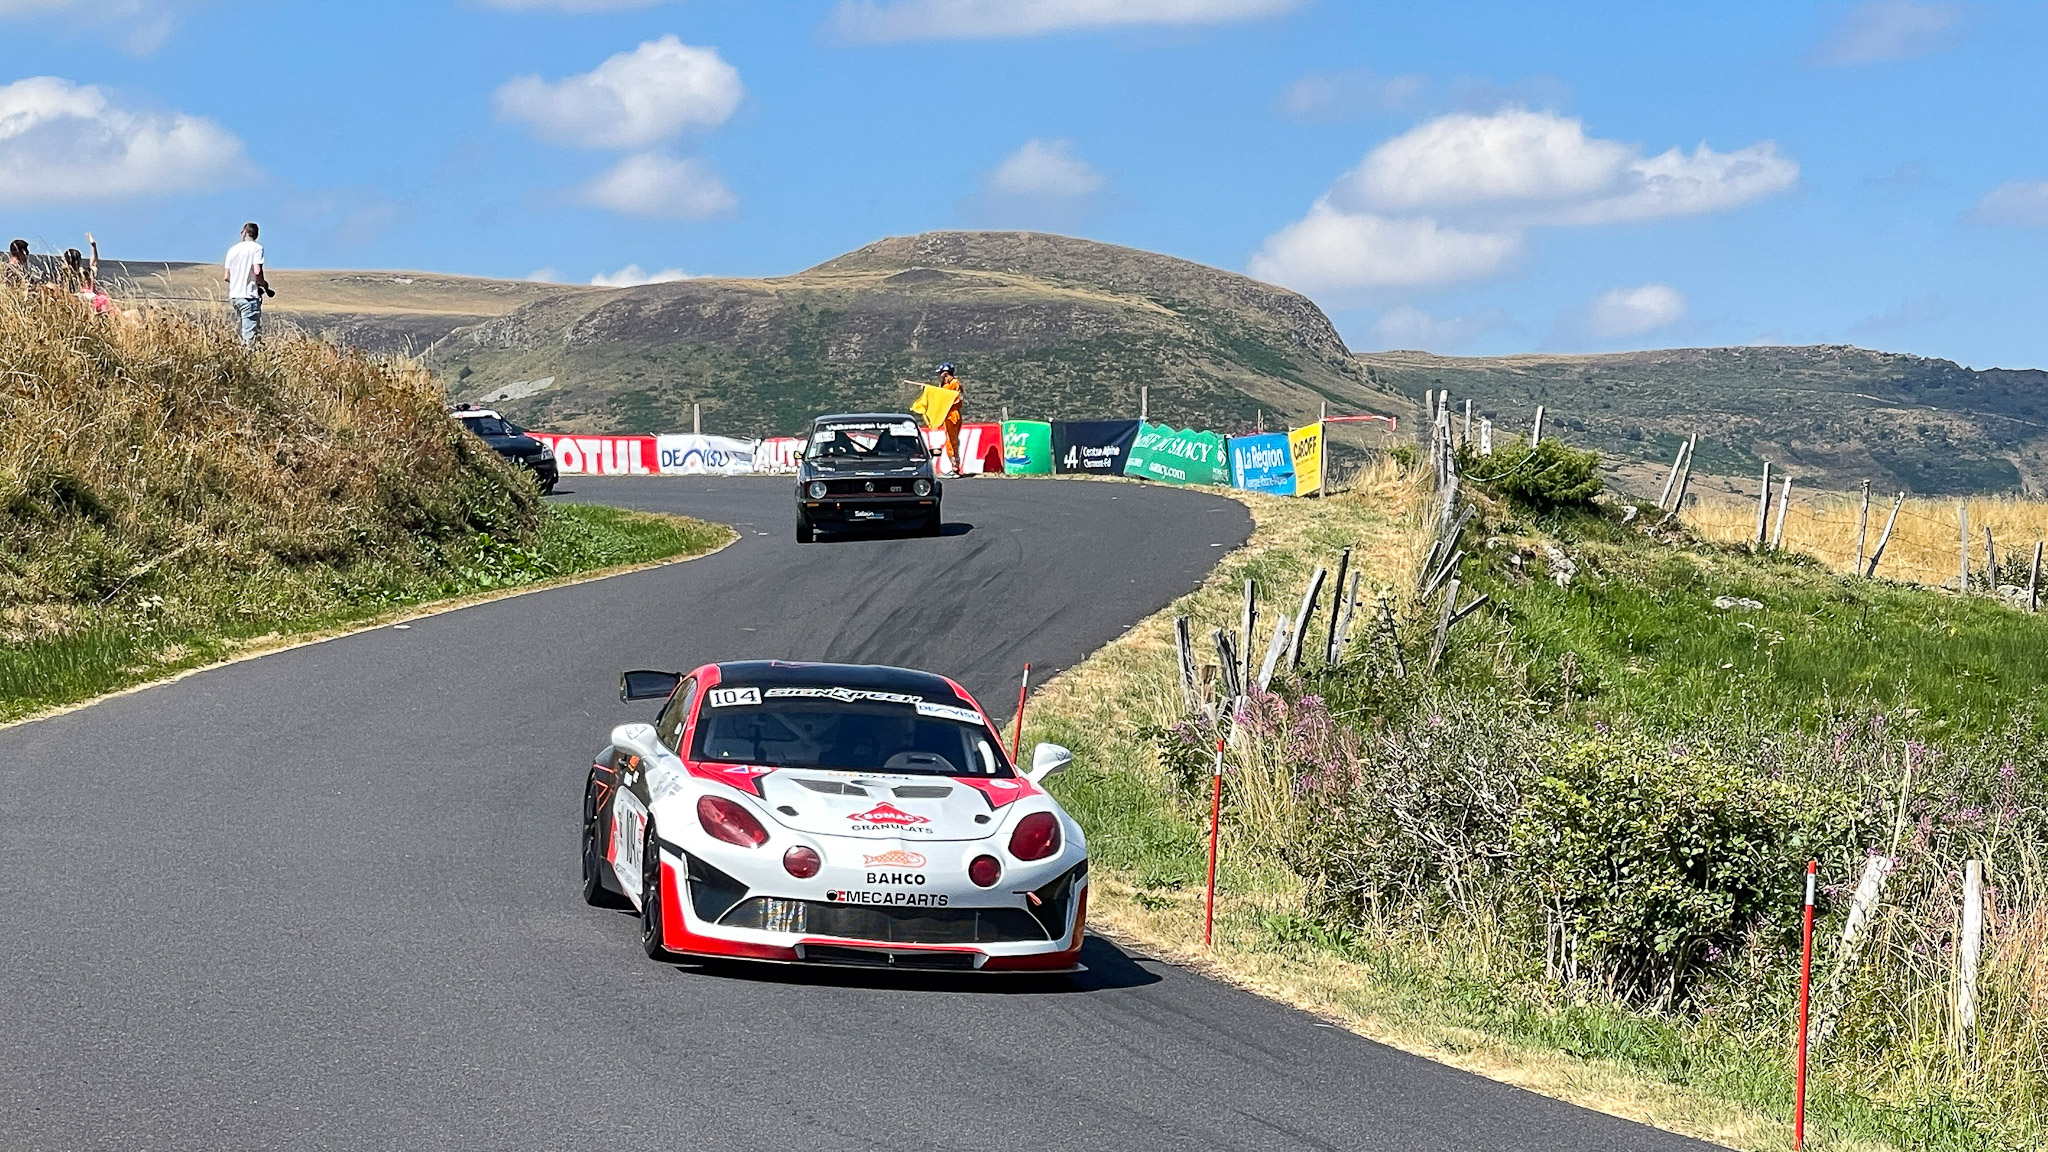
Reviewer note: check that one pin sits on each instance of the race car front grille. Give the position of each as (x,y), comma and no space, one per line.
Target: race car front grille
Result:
(886,924)
(867,488)
(875,958)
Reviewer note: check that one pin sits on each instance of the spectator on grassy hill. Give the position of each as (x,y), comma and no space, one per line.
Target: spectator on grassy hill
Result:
(83,279)
(18,271)
(246,284)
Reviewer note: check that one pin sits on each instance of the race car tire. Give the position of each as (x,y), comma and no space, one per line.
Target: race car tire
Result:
(650,899)
(805,533)
(547,487)
(596,892)
(933,524)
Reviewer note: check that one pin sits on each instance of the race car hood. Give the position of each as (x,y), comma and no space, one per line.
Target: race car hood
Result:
(880,806)
(877,468)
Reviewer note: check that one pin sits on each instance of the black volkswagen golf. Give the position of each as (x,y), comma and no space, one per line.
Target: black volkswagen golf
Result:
(866,469)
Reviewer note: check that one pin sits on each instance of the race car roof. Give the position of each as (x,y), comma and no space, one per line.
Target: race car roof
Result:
(865,418)
(871,677)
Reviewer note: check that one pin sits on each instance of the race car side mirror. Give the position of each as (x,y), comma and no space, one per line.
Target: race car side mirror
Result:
(646,684)
(1048,760)
(639,739)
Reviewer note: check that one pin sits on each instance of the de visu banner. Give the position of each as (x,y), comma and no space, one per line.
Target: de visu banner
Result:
(1094,447)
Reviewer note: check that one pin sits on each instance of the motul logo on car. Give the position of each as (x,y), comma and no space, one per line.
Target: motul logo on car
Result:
(889,814)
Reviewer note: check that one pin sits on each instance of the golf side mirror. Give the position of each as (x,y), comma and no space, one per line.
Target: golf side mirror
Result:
(646,684)
(1048,760)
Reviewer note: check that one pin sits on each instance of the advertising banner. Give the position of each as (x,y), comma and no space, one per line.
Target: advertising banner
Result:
(704,455)
(1306,446)
(980,446)
(778,454)
(1262,464)
(1178,457)
(1027,448)
(1093,447)
(601,455)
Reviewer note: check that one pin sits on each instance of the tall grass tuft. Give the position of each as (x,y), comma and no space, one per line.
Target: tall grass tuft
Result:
(1925,543)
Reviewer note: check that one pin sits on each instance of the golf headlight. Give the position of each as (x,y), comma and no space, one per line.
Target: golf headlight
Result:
(817,489)
(922,487)
(546,453)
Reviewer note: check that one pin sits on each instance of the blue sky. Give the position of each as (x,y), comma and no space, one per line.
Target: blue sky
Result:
(1464,177)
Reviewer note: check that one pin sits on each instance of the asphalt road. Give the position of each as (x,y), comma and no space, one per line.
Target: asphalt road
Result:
(327,899)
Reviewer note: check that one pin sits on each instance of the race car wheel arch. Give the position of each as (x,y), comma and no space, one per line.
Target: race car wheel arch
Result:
(653,907)
(597,892)
(805,532)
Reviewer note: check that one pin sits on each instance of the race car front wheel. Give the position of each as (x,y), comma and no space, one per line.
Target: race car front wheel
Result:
(804,532)
(595,892)
(650,898)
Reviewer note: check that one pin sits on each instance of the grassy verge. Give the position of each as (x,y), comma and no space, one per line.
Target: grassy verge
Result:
(210,617)
(1460,989)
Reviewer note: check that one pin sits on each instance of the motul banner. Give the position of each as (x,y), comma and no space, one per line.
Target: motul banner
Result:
(695,455)
(778,454)
(981,445)
(601,455)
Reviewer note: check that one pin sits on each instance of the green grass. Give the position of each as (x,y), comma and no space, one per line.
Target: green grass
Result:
(199,617)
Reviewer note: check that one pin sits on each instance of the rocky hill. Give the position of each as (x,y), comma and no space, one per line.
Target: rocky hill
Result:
(1048,326)
(1831,415)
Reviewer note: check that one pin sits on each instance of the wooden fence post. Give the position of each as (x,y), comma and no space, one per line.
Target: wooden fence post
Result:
(1467,437)
(1274,648)
(1228,665)
(1884,537)
(1671,478)
(1862,528)
(1393,635)
(1485,436)
(1969,950)
(1247,631)
(1144,402)
(1963,550)
(1307,613)
(1990,561)
(1344,621)
(2034,581)
(1336,590)
(1184,644)
(1443,624)
(1784,498)
(1763,506)
(1536,429)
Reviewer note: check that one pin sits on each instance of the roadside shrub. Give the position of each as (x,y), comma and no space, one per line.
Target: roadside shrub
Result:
(1549,476)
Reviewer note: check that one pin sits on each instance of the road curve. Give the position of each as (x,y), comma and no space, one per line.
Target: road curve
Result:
(326,899)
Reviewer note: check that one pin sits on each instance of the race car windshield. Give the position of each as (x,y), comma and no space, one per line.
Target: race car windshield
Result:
(845,736)
(490,426)
(866,441)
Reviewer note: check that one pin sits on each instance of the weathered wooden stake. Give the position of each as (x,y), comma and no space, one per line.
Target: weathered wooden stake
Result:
(1246,630)
(1144,402)
(1274,648)
(1467,438)
(1963,550)
(1485,436)
(1990,561)
(1302,618)
(1443,624)
(1336,590)
(1344,620)
(1692,444)
(2034,581)
(1443,573)
(1190,692)
(1862,527)
(1006,413)
(1536,429)
(1763,505)
(1671,479)
(1968,951)
(1393,635)
(1228,667)
(1784,498)
(1884,537)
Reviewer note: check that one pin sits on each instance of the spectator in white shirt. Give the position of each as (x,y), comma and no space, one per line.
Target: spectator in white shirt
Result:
(246,285)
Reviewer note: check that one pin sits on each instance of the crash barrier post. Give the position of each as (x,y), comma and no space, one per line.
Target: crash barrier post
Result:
(1215,826)
(1017,738)
(1805,1002)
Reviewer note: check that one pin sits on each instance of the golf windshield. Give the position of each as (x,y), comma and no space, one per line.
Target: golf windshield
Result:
(866,440)
(807,728)
(491,426)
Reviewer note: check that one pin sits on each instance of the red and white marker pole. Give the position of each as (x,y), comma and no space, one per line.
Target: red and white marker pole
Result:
(1805,1002)
(1215,822)
(1017,739)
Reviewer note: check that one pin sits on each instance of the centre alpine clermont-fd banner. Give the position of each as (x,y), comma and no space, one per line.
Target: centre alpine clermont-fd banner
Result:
(1094,447)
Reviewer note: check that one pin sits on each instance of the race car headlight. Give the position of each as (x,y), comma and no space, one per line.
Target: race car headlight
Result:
(725,820)
(545,453)
(1036,837)
(801,862)
(922,487)
(817,489)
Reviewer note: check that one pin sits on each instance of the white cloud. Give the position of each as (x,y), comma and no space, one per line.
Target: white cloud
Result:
(1335,95)
(1451,198)
(547,275)
(2023,203)
(976,19)
(650,184)
(1331,250)
(1630,311)
(1878,30)
(1045,169)
(632,276)
(1411,327)
(140,26)
(636,99)
(61,141)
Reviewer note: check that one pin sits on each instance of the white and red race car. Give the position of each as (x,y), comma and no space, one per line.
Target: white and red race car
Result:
(832,814)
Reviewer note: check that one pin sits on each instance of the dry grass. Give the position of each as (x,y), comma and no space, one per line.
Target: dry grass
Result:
(1925,545)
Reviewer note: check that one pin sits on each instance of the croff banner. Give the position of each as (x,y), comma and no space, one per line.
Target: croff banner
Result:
(1306,446)
(601,455)
(1178,457)
(980,445)
(1027,448)
(1262,464)
(1094,447)
(692,455)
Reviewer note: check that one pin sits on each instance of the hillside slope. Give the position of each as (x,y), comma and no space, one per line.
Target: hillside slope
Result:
(1048,326)
(1832,415)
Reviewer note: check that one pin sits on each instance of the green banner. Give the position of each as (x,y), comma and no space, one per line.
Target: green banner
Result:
(1027,447)
(1182,456)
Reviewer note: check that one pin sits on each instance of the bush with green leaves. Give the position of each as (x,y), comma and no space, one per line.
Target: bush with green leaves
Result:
(1549,476)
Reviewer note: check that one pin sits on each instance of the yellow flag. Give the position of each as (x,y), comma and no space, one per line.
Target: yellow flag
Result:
(934,404)
(1306,446)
